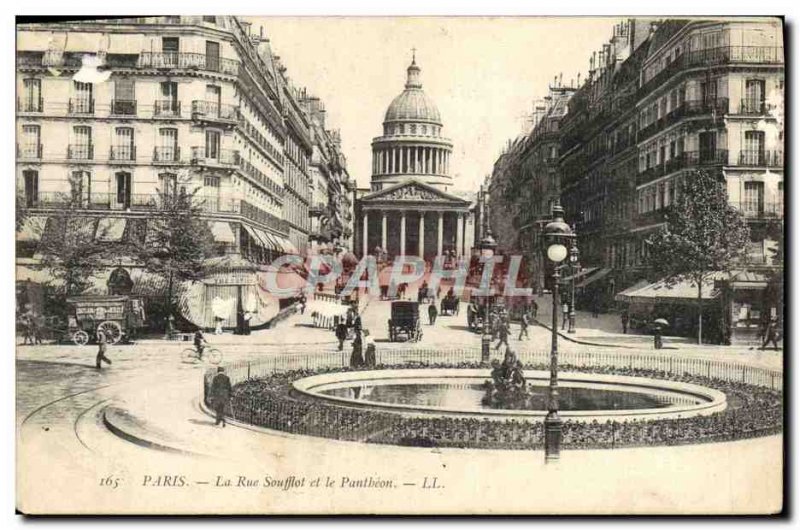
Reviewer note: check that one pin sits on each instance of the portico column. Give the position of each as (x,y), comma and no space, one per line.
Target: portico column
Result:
(440,237)
(365,235)
(435,168)
(403,233)
(383,230)
(459,234)
(422,235)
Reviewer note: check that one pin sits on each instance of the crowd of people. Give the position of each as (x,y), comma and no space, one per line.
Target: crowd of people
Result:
(752,411)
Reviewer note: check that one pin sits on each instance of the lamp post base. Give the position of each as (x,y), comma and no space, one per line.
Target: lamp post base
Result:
(552,437)
(571,328)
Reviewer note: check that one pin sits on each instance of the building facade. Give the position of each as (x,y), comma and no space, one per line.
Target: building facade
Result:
(663,99)
(112,113)
(412,208)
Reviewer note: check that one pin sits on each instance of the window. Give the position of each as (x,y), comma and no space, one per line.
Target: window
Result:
(32,95)
(753,154)
(168,183)
(124,103)
(211,193)
(31,178)
(81,187)
(708,91)
(708,146)
(82,103)
(31,147)
(168,105)
(212,56)
(170,47)
(168,148)
(754,97)
(213,100)
(754,197)
(212,144)
(124,148)
(81,147)
(123,181)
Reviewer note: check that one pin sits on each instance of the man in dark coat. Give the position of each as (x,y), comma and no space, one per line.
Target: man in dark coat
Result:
(220,394)
(357,358)
(102,347)
(432,313)
(341,333)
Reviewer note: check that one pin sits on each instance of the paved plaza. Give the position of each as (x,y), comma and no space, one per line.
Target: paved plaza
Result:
(76,421)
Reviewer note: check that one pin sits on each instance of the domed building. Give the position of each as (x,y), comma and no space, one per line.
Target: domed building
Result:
(411,207)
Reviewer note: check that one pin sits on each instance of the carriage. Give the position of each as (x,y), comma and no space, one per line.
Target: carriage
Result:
(405,321)
(120,317)
(449,305)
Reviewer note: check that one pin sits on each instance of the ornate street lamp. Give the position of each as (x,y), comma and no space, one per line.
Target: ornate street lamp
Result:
(557,234)
(487,246)
(574,267)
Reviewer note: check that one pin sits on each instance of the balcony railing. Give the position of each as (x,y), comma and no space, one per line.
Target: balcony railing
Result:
(215,157)
(30,104)
(735,54)
(29,152)
(166,154)
(213,111)
(123,107)
(760,210)
(761,158)
(167,108)
(253,172)
(707,157)
(753,107)
(81,106)
(123,152)
(80,152)
(188,61)
(259,138)
(254,213)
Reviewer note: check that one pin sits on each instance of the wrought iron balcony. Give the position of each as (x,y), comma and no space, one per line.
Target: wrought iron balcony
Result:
(167,154)
(29,152)
(215,157)
(211,111)
(81,106)
(123,153)
(167,108)
(123,107)
(760,210)
(188,61)
(760,158)
(80,152)
(30,104)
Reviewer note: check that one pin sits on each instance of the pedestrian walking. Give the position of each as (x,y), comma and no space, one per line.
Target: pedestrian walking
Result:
(658,343)
(564,315)
(502,335)
(220,394)
(102,347)
(625,318)
(341,333)
(356,357)
(535,308)
(523,326)
(369,350)
(302,304)
(770,335)
(432,313)
(27,330)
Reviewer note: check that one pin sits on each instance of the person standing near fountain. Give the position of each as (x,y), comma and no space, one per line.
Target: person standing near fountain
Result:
(502,333)
(356,358)
(369,350)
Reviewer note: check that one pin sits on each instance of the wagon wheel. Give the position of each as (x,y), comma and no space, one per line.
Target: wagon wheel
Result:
(80,338)
(112,330)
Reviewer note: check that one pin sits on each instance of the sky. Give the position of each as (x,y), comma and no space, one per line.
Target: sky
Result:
(484,73)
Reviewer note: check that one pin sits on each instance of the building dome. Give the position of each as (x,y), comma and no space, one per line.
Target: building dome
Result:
(413,105)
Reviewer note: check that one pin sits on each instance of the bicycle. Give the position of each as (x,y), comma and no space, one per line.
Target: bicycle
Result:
(212,355)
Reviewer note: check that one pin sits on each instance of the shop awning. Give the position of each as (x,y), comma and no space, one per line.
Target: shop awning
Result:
(749,280)
(222,232)
(684,291)
(580,274)
(602,273)
(624,295)
(254,236)
(32,228)
(269,241)
(289,247)
(110,229)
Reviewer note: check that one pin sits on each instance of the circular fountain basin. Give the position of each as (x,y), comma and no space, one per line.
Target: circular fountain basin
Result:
(459,392)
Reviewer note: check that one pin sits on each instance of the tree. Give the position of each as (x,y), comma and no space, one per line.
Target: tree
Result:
(703,235)
(71,250)
(177,240)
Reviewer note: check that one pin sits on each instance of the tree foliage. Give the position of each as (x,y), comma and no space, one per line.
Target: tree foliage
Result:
(177,240)
(703,235)
(72,247)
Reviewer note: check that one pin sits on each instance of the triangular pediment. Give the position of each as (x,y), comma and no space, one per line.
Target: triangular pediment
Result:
(413,191)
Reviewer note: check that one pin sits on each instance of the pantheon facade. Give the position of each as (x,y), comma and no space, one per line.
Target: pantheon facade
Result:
(411,207)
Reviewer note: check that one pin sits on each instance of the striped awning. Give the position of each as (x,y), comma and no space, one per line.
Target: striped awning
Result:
(254,236)
(32,228)
(110,229)
(222,232)
(289,247)
(270,241)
